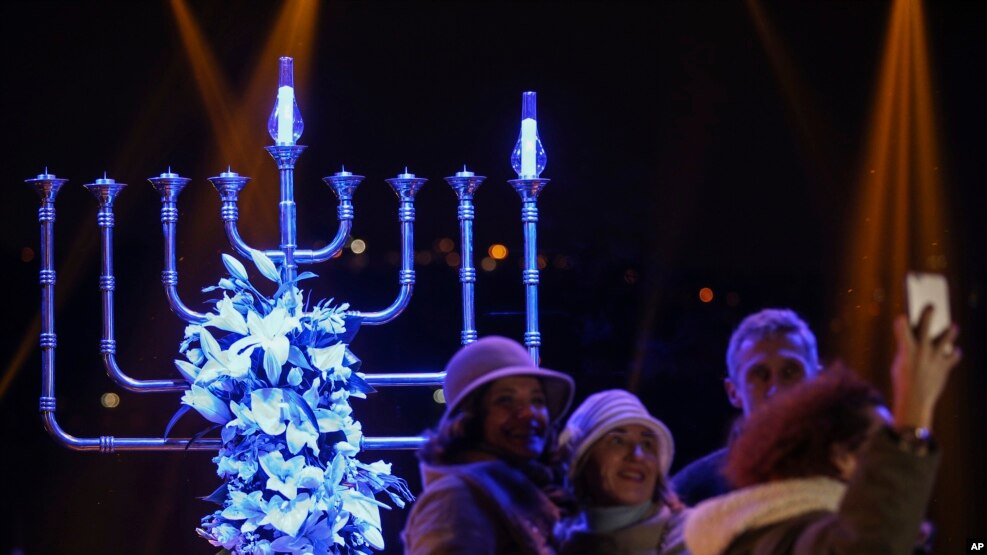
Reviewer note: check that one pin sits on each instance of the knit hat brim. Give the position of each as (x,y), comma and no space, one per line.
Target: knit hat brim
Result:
(666,446)
(602,412)
(558,388)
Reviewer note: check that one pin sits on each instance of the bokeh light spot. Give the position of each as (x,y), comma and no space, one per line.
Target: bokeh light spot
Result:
(109,400)
(423,258)
(497,251)
(445,245)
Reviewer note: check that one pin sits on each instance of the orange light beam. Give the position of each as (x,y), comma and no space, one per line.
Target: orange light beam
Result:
(814,134)
(899,218)
(231,119)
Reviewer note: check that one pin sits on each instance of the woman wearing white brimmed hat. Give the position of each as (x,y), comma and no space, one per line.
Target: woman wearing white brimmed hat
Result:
(483,466)
(618,457)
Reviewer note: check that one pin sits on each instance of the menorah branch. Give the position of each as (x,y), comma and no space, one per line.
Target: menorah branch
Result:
(529,190)
(106,190)
(465,183)
(406,186)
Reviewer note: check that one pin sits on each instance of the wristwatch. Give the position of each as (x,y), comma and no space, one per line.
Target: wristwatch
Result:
(912,439)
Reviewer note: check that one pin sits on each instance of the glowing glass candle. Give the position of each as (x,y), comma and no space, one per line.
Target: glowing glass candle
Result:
(528,158)
(285,124)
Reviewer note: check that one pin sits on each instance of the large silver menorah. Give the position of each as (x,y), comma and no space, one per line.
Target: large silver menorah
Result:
(528,160)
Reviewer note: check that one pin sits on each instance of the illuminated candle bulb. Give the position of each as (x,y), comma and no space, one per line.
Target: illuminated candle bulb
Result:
(528,158)
(285,124)
(465,172)
(406,175)
(169,174)
(286,98)
(105,180)
(529,134)
(343,173)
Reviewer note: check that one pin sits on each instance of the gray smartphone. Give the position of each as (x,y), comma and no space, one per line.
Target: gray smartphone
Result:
(923,289)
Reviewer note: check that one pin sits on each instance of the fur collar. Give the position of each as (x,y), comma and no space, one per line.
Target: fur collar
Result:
(715,523)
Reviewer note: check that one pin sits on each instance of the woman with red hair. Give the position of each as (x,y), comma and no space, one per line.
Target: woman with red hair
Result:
(823,469)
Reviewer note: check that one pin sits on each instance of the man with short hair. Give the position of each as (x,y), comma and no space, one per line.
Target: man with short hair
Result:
(769,352)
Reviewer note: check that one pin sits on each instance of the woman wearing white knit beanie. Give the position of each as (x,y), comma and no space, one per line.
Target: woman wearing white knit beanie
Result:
(618,456)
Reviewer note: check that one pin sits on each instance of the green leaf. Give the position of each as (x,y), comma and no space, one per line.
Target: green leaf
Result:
(300,402)
(359,385)
(265,266)
(174,419)
(199,435)
(218,496)
(234,267)
(287,284)
(296,357)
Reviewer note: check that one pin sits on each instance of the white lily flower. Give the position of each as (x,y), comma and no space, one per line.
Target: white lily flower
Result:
(331,319)
(250,508)
(341,519)
(219,363)
(329,421)
(379,467)
(207,404)
(244,420)
(229,318)
(188,371)
(288,515)
(340,406)
(327,359)
(192,330)
(300,433)
(242,469)
(353,430)
(373,536)
(269,333)
(286,477)
(345,448)
(267,406)
(225,536)
(195,356)
(366,510)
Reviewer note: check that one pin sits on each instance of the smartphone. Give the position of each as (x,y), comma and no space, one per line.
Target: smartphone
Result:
(925,289)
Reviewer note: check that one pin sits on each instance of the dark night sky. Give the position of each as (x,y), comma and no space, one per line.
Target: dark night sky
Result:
(676,163)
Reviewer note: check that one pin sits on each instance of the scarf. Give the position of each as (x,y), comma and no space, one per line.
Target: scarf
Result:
(715,523)
(608,519)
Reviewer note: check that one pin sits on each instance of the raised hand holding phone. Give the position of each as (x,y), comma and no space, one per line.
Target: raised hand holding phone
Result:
(928,289)
(921,367)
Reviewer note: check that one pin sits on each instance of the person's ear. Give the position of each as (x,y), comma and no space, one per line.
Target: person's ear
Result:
(844,460)
(732,393)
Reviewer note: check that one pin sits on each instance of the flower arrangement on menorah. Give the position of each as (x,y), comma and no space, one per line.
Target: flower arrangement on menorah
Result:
(278,382)
(273,371)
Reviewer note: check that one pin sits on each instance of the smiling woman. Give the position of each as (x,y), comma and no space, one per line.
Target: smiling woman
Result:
(618,457)
(484,466)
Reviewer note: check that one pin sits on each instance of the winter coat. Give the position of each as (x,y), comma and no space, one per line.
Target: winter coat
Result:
(879,511)
(658,533)
(702,479)
(480,508)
